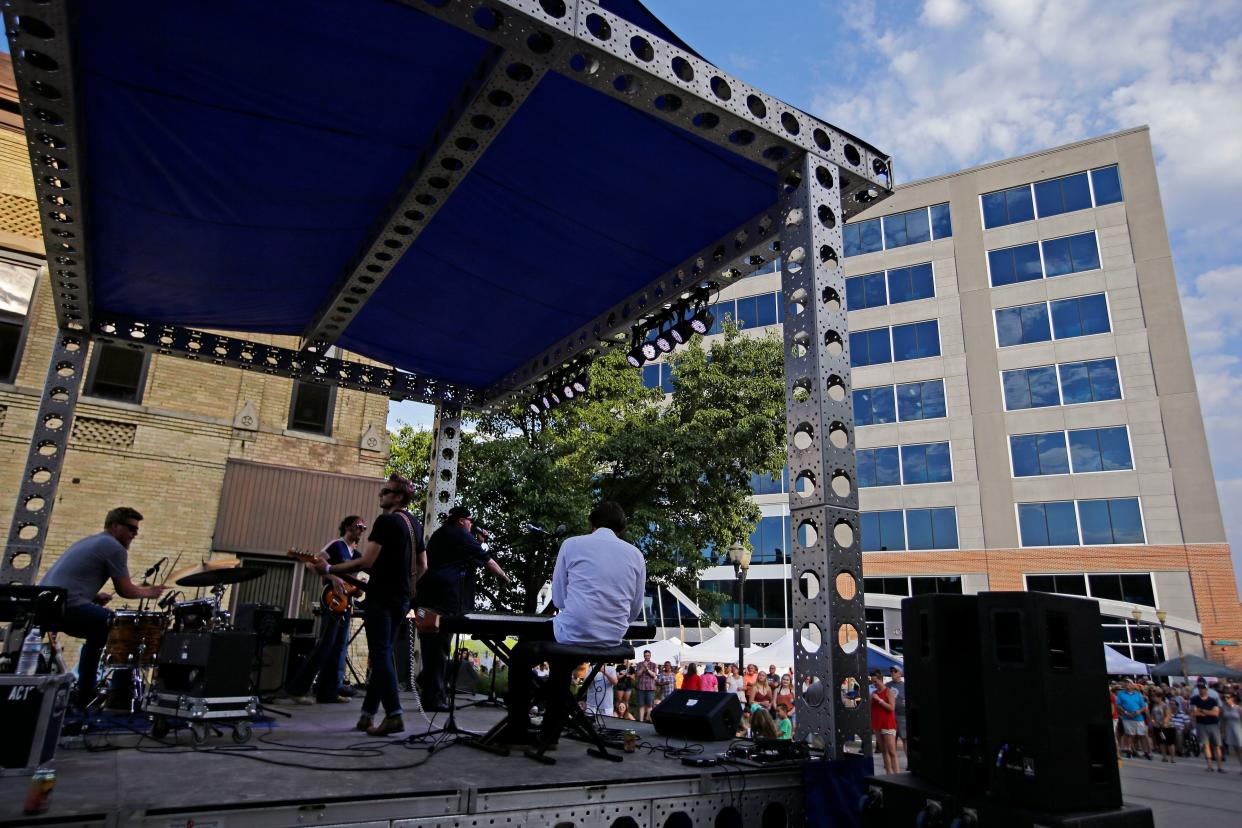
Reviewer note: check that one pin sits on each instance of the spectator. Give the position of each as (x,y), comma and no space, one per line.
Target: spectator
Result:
(884,721)
(623,711)
(666,682)
(1179,721)
(625,683)
(691,681)
(600,698)
(735,684)
(679,678)
(762,726)
(897,682)
(1206,712)
(1162,725)
(748,678)
(1231,715)
(774,678)
(743,730)
(760,695)
(1133,709)
(645,686)
(707,679)
(784,693)
(784,727)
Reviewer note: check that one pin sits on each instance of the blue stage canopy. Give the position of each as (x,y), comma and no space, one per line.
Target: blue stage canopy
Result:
(238,158)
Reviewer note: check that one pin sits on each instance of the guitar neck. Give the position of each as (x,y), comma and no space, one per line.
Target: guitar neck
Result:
(352,581)
(311,557)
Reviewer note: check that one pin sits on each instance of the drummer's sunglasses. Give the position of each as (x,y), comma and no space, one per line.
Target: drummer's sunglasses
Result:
(133,527)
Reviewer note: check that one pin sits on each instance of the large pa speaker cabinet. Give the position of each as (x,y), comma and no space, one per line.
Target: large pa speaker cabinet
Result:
(271,668)
(698,714)
(300,647)
(944,716)
(1045,699)
(264,620)
(206,664)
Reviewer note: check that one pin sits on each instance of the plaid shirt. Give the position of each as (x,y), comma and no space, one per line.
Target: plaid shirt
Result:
(647,677)
(667,682)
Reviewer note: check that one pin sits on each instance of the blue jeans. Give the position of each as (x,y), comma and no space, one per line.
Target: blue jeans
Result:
(324,660)
(90,622)
(382,624)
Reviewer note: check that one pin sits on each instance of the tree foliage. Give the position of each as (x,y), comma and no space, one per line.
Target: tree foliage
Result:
(680,467)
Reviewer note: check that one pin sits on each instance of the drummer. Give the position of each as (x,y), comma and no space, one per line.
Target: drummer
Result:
(82,571)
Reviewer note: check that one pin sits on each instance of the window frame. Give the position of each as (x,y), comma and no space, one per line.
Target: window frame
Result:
(898,484)
(1138,499)
(1056,367)
(1086,577)
(97,348)
(931,230)
(22,321)
(1013,469)
(1030,185)
(1043,264)
(943,393)
(1052,329)
(948,444)
(1069,454)
(329,426)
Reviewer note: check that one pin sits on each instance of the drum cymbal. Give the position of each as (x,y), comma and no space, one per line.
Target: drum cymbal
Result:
(216,577)
(205,566)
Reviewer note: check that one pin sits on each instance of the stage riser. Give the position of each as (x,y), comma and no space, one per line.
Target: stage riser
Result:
(649,804)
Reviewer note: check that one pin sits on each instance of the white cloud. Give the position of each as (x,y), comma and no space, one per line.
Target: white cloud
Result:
(944,13)
(1213,310)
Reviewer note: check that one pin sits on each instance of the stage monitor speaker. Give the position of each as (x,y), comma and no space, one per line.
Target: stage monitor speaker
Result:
(1045,697)
(206,663)
(698,714)
(264,620)
(944,717)
(271,668)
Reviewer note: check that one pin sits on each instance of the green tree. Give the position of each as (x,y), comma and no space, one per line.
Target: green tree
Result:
(679,466)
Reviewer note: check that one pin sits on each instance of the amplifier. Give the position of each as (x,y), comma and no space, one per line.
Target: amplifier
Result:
(264,620)
(698,714)
(206,663)
(32,709)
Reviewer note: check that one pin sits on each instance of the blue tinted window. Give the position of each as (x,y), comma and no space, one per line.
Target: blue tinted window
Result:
(1107,185)
(1014,264)
(720,310)
(910,227)
(865,291)
(873,406)
(1018,326)
(1111,521)
(1030,388)
(927,463)
(651,376)
(1037,454)
(882,531)
(1092,381)
(1080,316)
(931,528)
(1071,254)
(878,467)
(1007,207)
(905,284)
(766,308)
(863,237)
(1063,195)
(746,312)
(766,483)
(666,377)
(1100,449)
(1048,524)
(768,540)
(941,222)
(920,400)
(916,340)
(870,347)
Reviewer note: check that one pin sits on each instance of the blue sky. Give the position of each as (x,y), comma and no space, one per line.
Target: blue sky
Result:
(946,84)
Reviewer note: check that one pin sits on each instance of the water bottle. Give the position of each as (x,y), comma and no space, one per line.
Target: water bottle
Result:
(28,664)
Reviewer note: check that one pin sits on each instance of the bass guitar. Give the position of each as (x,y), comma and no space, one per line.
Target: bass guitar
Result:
(332,600)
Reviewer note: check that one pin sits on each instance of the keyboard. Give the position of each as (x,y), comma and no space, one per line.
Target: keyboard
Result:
(536,627)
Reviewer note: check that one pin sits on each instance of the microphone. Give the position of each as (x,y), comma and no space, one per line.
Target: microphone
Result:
(155,567)
(560,530)
(530,527)
(168,600)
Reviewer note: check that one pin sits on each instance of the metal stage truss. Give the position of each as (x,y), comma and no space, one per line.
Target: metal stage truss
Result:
(820,177)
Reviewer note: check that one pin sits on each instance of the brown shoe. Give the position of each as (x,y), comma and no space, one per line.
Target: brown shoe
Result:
(390,725)
(364,723)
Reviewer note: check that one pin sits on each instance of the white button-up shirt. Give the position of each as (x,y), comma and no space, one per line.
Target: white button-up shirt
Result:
(598,585)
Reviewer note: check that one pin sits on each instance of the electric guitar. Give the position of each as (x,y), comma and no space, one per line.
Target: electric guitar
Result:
(331,600)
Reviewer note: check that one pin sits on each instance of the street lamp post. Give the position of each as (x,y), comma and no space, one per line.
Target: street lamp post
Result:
(740,554)
(1162,616)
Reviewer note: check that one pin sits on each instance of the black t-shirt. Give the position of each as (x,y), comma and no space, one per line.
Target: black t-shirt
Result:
(393,570)
(453,555)
(1205,705)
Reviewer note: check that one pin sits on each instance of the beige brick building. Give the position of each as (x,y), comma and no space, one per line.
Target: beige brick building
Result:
(1026,407)
(169,436)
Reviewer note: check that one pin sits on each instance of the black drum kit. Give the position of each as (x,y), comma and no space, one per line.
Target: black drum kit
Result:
(134,654)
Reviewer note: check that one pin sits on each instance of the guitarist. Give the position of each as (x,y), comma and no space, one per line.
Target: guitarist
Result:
(454,552)
(323,664)
(390,555)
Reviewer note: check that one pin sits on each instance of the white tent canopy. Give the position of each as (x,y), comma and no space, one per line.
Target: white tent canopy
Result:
(721,647)
(1116,664)
(669,649)
(781,653)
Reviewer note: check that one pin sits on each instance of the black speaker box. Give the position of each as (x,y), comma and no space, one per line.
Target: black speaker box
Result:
(206,664)
(1045,698)
(264,620)
(944,704)
(300,647)
(698,714)
(271,668)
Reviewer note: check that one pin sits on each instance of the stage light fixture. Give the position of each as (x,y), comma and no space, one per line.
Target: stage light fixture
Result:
(635,357)
(582,382)
(665,342)
(534,407)
(649,351)
(702,321)
(567,391)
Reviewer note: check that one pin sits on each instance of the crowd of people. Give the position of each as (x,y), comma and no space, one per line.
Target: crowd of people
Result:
(1179,721)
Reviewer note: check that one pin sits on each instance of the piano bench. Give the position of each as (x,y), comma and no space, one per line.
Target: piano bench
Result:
(578,720)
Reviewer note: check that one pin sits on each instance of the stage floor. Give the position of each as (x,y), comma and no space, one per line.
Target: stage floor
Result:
(314,768)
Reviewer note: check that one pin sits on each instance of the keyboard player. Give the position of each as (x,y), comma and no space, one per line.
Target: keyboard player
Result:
(598,585)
